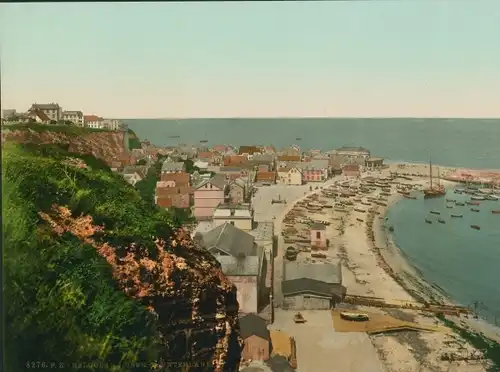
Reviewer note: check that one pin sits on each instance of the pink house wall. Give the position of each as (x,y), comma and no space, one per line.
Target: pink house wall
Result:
(205,202)
(316,241)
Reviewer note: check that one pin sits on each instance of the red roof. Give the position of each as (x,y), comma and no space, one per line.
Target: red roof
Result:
(180,179)
(206,155)
(289,158)
(164,202)
(235,159)
(250,150)
(88,118)
(166,191)
(266,176)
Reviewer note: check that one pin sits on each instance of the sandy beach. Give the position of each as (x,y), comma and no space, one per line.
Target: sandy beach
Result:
(375,267)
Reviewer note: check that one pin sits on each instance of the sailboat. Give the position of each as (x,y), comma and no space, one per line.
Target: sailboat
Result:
(434,191)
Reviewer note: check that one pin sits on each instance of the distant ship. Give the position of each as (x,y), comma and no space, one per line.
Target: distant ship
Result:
(434,191)
(298,139)
(203,141)
(174,137)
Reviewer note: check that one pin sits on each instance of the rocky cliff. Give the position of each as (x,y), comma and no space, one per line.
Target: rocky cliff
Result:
(104,145)
(97,274)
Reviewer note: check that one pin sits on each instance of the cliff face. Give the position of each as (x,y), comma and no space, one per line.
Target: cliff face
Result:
(101,145)
(95,218)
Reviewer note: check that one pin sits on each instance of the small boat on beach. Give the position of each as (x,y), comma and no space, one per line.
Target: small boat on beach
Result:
(474,210)
(456,215)
(473,203)
(475,227)
(449,206)
(460,204)
(451,200)
(354,316)
(495,211)
(435,212)
(428,221)
(491,197)
(458,191)
(440,220)
(477,197)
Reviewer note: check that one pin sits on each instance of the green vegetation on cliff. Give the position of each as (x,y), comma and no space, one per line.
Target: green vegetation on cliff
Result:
(61,302)
(73,130)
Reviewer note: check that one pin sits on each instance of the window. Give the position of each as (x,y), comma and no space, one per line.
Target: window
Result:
(318,235)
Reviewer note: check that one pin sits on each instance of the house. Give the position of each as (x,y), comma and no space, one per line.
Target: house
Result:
(352,154)
(208,195)
(242,261)
(264,177)
(9,113)
(170,166)
(311,286)
(233,172)
(238,191)
(167,196)
(202,165)
(93,121)
(317,170)
(239,215)
(111,124)
(290,175)
(374,163)
(263,161)
(39,116)
(75,117)
(256,337)
(288,158)
(335,166)
(235,160)
(207,156)
(351,170)
(52,110)
(176,179)
(292,150)
(249,151)
(318,236)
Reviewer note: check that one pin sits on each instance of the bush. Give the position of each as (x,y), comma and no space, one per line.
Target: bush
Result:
(61,301)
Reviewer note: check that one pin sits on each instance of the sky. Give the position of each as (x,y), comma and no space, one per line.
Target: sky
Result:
(424,58)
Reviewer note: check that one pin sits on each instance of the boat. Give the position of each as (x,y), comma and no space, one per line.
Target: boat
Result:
(440,220)
(428,221)
(474,210)
(434,191)
(458,191)
(491,197)
(203,141)
(477,197)
(298,139)
(476,227)
(408,196)
(451,200)
(354,316)
(174,137)
(460,203)
(449,206)
(298,318)
(456,215)
(496,211)
(473,203)
(435,212)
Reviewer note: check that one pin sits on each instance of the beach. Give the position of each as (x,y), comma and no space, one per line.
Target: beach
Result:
(374,267)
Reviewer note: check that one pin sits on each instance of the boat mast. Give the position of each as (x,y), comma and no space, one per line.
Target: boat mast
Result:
(430,172)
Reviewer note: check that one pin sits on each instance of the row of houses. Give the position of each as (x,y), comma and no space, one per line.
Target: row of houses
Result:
(52,113)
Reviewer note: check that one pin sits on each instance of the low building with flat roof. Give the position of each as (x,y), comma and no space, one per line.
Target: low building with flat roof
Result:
(312,286)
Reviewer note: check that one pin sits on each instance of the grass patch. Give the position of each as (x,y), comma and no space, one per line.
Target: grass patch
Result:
(57,128)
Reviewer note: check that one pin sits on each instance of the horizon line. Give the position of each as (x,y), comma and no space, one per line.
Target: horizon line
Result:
(313,117)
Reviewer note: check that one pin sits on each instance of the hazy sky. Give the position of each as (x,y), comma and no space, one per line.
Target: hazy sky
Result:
(406,58)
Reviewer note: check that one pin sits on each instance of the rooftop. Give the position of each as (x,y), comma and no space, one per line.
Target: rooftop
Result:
(354,149)
(324,272)
(239,266)
(264,231)
(252,324)
(231,240)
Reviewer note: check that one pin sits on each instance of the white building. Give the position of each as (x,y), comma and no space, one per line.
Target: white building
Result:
(93,121)
(52,110)
(290,175)
(239,215)
(111,124)
(75,117)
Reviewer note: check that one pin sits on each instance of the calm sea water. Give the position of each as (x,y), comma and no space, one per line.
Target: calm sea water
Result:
(462,261)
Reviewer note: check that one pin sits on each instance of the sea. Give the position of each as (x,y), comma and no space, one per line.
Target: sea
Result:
(462,261)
